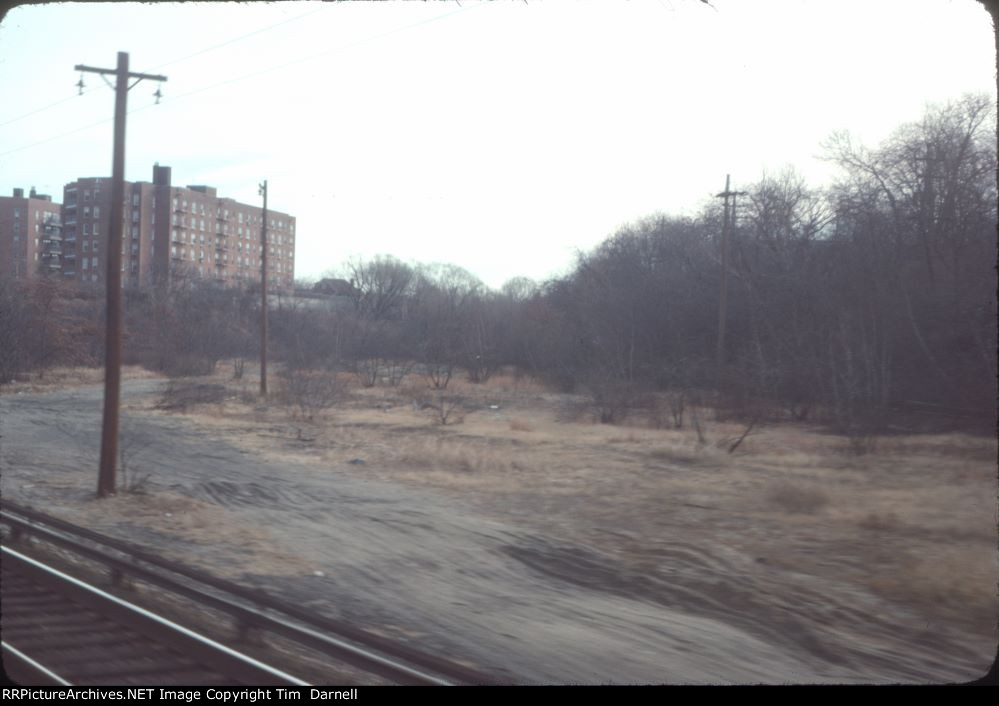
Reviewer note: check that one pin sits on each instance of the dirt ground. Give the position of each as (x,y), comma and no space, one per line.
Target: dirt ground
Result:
(546,550)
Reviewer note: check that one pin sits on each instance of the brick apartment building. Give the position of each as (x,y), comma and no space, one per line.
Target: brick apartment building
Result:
(169,233)
(30,234)
(173,232)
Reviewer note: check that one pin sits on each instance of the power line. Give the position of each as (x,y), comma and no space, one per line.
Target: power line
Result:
(240,38)
(170,63)
(39,110)
(247,76)
(300,60)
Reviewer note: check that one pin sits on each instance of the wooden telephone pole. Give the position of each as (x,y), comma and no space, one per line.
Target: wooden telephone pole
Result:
(112,340)
(263,296)
(728,223)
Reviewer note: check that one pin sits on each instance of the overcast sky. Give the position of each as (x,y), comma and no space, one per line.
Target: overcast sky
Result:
(501,137)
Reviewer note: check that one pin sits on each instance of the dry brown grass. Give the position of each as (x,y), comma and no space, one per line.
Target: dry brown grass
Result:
(199,524)
(792,493)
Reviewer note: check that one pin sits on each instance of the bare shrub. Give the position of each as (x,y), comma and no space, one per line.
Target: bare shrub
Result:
(132,481)
(612,401)
(442,408)
(185,365)
(677,401)
(695,420)
(15,323)
(667,410)
(238,365)
(178,395)
(396,370)
(439,374)
(797,499)
(733,442)
(310,391)
(367,371)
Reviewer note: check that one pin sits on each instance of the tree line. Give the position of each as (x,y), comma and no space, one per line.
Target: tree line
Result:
(844,302)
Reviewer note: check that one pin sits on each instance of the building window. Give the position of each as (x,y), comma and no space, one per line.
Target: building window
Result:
(86,195)
(86,246)
(86,229)
(135,232)
(135,215)
(86,264)
(135,199)
(93,261)
(95,246)
(86,211)
(95,229)
(97,211)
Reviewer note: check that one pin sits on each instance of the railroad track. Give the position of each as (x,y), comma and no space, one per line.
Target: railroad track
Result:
(59,629)
(63,631)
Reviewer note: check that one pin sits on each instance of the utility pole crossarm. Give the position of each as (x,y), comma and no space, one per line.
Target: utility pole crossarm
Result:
(131,74)
(113,269)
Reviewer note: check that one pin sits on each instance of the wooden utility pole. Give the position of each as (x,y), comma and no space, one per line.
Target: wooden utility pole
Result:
(727,224)
(263,296)
(112,339)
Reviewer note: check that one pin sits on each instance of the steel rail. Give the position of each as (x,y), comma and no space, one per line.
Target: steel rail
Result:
(222,658)
(372,653)
(19,658)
